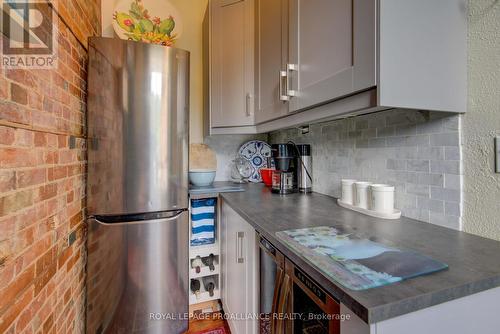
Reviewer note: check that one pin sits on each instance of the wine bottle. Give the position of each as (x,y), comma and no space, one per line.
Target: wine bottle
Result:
(197,263)
(209,284)
(195,287)
(209,261)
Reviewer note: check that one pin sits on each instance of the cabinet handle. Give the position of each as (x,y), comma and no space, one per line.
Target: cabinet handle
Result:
(248,105)
(290,68)
(282,304)
(277,288)
(239,247)
(283,76)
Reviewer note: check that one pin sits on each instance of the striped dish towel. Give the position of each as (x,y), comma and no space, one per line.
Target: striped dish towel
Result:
(203,221)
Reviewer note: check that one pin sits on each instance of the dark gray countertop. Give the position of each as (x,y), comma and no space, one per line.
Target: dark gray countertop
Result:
(214,189)
(474,262)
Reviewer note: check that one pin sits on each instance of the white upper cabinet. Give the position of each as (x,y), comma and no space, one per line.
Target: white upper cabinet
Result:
(423,54)
(332,50)
(231,63)
(271,53)
(316,60)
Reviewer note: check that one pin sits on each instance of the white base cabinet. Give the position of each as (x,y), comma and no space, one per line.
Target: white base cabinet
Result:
(239,256)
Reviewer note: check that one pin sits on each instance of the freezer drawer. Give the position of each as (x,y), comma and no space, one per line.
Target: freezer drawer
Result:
(137,276)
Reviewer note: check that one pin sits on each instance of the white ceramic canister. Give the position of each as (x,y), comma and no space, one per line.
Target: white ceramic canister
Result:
(362,194)
(348,191)
(382,198)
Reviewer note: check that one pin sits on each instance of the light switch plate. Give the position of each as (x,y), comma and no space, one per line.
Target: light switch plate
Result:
(497,154)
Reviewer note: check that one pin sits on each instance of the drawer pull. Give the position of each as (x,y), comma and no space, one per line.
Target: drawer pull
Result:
(239,247)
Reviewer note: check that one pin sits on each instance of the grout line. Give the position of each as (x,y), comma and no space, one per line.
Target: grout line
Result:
(68,26)
(37,129)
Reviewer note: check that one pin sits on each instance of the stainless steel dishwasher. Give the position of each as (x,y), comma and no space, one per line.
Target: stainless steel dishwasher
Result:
(290,300)
(272,270)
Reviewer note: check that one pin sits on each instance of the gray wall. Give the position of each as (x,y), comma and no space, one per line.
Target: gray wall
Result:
(418,152)
(481,123)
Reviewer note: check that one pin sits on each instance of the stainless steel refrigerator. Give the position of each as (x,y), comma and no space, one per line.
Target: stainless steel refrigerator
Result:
(137,188)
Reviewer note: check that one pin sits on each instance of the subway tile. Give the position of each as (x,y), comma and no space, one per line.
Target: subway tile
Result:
(325,129)
(445,221)
(354,134)
(416,151)
(405,152)
(377,142)
(369,133)
(361,124)
(418,165)
(430,179)
(451,123)
(395,177)
(386,132)
(362,143)
(452,153)
(376,121)
(419,140)
(433,205)
(406,201)
(430,153)
(452,209)
(450,195)
(396,164)
(396,141)
(398,118)
(433,126)
(412,177)
(452,181)
(444,166)
(418,189)
(445,139)
(378,165)
(406,130)
(350,124)
(418,214)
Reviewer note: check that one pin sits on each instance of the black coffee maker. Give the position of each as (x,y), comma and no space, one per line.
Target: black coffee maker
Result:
(285,176)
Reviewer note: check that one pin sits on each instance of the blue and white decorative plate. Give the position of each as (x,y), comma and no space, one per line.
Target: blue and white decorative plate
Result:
(257,152)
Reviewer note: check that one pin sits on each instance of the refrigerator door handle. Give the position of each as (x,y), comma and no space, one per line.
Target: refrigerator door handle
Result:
(138,218)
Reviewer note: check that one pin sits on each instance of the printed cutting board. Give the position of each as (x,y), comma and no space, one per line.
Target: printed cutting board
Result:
(356,263)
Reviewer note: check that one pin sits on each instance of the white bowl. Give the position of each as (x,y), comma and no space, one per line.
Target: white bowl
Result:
(201,177)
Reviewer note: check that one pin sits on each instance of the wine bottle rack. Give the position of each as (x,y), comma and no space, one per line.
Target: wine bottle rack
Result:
(204,251)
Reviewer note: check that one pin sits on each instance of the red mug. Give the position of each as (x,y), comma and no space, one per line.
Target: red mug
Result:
(266,174)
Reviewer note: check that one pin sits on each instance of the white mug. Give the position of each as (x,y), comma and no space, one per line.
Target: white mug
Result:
(348,193)
(382,198)
(362,194)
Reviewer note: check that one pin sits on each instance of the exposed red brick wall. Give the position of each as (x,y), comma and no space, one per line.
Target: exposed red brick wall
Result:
(42,184)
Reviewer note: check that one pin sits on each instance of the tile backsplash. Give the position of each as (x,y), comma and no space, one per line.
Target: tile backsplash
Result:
(417,151)
(226,147)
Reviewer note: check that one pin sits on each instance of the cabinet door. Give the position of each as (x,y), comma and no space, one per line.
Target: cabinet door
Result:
(271,46)
(240,271)
(225,258)
(332,45)
(231,63)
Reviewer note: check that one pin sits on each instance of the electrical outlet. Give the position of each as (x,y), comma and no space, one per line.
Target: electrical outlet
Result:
(304,130)
(497,154)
